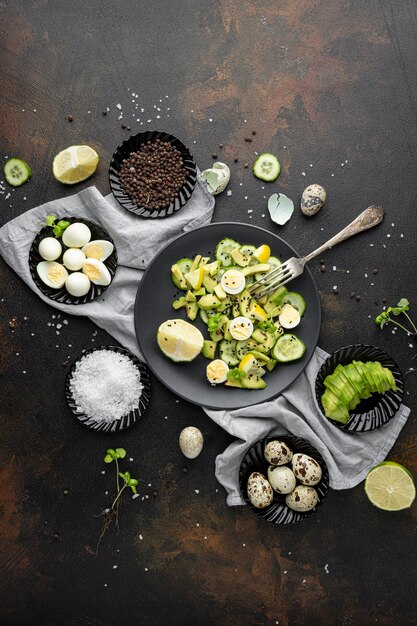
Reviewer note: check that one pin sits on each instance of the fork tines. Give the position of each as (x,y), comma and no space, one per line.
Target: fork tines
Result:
(271,281)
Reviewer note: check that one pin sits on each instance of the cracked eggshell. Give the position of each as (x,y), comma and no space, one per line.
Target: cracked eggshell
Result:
(217,177)
(191,442)
(260,492)
(312,200)
(306,470)
(302,499)
(277,453)
(281,478)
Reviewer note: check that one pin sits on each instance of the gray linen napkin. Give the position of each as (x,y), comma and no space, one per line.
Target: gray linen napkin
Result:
(349,457)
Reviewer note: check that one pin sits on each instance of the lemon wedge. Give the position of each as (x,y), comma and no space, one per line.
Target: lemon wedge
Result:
(262,253)
(179,340)
(258,313)
(75,164)
(195,278)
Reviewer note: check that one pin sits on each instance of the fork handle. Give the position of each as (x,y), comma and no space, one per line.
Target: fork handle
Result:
(369,218)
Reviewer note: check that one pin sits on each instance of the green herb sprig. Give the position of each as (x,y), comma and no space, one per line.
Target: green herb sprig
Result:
(59,227)
(213,322)
(401,309)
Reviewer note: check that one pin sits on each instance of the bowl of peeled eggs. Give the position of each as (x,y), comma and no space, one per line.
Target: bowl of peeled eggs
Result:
(72,260)
(283,479)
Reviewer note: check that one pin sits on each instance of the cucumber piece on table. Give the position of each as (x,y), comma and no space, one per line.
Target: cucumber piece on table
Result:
(266,167)
(288,348)
(222,251)
(16,172)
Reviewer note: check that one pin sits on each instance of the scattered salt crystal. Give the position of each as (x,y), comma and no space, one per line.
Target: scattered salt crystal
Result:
(303,173)
(114,566)
(410,345)
(285,571)
(119,106)
(366,275)
(135,495)
(244,545)
(326,568)
(392,224)
(146,569)
(65,322)
(263,215)
(246,197)
(304,580)
(331,174)
(228,193)
(197,491)
(334,268)
(210,120)
(59,326)
(250,210)
(388,235)
(402,236)
(140,537)
(205,537)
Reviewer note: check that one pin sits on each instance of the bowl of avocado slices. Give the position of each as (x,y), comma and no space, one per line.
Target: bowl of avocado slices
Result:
(359,388)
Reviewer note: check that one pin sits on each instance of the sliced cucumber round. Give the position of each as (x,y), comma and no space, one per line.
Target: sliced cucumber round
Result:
(227,352)
(296,300)
(288,348)
(267,167)
(184,265)
(16,172)
(223,248)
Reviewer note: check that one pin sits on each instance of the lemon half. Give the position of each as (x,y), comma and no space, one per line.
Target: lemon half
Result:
(75,164)
(179,340)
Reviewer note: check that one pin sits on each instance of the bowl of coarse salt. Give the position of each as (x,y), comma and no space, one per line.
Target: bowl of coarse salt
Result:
(108,388)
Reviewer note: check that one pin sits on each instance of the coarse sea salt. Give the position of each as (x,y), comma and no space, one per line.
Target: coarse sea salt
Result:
(106,385)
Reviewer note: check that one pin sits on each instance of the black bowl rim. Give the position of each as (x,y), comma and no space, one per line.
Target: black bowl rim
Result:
(130,418)
(124,200)
(355,417)
(291,516)
(61,295)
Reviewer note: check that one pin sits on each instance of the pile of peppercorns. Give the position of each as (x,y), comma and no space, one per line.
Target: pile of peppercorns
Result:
(153,176)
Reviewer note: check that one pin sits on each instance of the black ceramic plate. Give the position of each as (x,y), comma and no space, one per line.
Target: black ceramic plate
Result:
(132,145)
(126,420)
(62,295)
(154,305)
(254,461)
(380,407)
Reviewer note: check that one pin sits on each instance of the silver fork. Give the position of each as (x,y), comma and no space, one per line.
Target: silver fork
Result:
(292,268)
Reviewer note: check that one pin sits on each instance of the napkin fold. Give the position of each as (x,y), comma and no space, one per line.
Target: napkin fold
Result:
(349,457)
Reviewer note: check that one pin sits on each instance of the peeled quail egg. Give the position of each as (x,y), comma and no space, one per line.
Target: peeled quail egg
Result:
(216,371)
(73,259)
(306,469)
(277,453)
(289,317)
(97,272)
(191,442)
(281,478)
(52,274)
(76,235)
(241,328)
(260,491)
(77,284)
(302,499)
(313,198)
(233,282)
(50,248)
(99,249)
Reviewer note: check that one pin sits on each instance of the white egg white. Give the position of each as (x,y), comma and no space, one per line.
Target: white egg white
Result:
(289,317)
(76,235)
(97,272)
(99,249)
(233,282)
(50,249)
(52,273)
(73,259)
(216,371)
(77,284)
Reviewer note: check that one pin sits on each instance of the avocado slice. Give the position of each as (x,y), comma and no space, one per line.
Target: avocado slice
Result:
(357,381)
(375,373)
(337,386)
(334,408)
(363,372)
(353,392)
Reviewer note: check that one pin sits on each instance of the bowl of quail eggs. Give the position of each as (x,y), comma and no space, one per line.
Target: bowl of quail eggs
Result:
(72,260)
(283,479)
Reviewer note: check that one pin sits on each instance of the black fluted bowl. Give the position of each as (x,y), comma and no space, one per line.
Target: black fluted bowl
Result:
(62,295)
(132,144)
(375,411)
(127,420)
(254,461)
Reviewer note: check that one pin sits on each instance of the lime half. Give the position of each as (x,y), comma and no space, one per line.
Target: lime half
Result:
(390,486)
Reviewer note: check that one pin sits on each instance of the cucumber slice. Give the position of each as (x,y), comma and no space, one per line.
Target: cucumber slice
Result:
(267,167)
(16,172)
(243,347)
(296,300)
(273,263)
(223,248)
(184,265)
(227,351)
(288,348)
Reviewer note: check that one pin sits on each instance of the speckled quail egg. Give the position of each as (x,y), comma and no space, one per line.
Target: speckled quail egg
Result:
(233,282)
(216,371)
(281,478)
(312,200)
(77,284)
(302,499)
(191,442)
(73,259)
(50,248)
(260,492)
(99,249)
(97,272)
(306,469)
(277,453)
(76,235)
(52,273)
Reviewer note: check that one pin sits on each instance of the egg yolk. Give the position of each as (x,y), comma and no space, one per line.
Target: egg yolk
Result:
(94,252)
(91,271)
(56,274)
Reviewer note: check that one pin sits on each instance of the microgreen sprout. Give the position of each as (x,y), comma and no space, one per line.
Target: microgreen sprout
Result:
(268,326)
(115,455)
(213,322)
(235,374)
(401,309)
(59,227)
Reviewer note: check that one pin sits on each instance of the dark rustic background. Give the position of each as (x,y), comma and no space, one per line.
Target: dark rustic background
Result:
(330,87)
